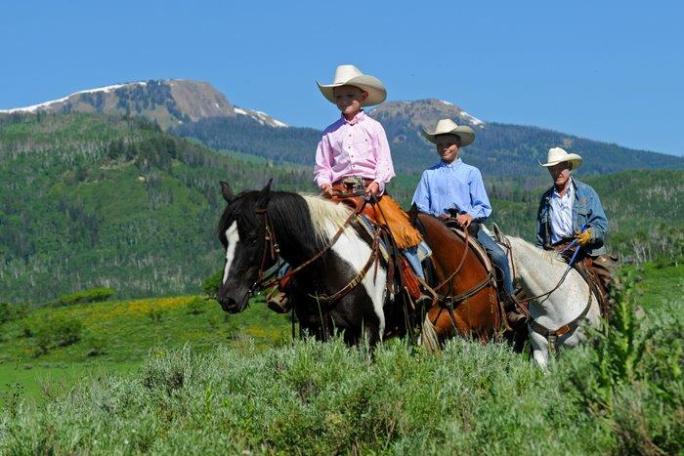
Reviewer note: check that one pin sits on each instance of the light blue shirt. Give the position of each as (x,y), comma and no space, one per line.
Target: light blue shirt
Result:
(454,185)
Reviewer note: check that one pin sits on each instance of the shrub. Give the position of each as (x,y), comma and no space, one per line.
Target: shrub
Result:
(10,312)
(635,377)
(211,285)
(96,346)
(156,315)
(90,295)
(54,332)
(197,306)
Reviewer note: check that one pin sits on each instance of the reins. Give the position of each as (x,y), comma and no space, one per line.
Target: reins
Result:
(271,245)
(460,264)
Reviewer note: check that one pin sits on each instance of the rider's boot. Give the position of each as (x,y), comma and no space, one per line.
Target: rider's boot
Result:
(278,301)
(513,314)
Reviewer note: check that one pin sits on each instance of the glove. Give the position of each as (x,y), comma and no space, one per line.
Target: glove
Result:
(583,238)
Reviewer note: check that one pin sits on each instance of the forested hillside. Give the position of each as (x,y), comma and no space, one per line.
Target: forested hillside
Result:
(89,200)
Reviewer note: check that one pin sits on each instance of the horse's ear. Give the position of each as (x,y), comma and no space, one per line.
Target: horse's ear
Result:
(227,192)
(264,195)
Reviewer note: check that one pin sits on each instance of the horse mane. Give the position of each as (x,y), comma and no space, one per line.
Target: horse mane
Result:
(305,217)
(550,256)
(322,212)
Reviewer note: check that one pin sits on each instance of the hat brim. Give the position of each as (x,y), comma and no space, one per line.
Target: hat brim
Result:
(373,86)
(466,134)
(574,159)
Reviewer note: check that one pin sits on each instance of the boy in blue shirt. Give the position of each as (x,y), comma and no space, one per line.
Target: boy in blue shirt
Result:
(453,187)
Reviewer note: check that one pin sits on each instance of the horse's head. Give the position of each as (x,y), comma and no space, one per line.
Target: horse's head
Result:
(242,231)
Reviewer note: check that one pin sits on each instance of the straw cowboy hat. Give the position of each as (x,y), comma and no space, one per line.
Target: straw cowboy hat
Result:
(449,127)
(350,75)
(557,155)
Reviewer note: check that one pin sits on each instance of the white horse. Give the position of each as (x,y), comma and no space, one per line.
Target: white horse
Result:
(557,317)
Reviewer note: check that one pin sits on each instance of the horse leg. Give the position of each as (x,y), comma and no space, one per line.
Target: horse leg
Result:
(447,322)
(540,350)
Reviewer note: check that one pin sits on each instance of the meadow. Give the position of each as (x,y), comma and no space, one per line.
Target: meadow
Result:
(176,376)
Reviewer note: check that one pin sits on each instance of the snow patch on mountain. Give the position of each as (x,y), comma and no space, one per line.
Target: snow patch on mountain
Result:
(47,104)
(261,117)
(472,119)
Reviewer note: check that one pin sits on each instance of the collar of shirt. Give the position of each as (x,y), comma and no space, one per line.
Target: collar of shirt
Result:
(359,117)
(569,194)
(453,164)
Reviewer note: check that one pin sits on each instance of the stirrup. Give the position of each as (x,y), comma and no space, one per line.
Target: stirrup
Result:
(278,301)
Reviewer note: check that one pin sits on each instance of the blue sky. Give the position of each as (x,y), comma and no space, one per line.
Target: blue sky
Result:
(611,71)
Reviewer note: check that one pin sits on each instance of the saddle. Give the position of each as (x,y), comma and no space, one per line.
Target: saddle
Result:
(481,255)
(397,233)
(475,246)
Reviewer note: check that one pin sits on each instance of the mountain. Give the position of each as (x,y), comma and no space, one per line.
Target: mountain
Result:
(167,102)
(502,149)
(92,200)
(499,150)
(198,110)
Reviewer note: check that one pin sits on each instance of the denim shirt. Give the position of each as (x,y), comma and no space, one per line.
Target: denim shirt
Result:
(586,210)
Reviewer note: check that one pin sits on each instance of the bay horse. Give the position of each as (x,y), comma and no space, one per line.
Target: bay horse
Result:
(560,302)
(331,253)
(468,303)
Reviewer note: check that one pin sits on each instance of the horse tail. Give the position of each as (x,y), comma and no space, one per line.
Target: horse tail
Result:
(428,337)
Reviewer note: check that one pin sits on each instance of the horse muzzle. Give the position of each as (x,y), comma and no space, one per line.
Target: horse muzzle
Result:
(233,302)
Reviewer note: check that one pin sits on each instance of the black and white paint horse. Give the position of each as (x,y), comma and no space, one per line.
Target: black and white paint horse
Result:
(303,226)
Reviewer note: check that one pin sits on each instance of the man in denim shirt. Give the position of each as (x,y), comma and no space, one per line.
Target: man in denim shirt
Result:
(570,208)
(571,211)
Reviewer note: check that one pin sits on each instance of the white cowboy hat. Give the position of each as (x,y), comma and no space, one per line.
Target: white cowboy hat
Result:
(350,75)
(449,127)
(557,155)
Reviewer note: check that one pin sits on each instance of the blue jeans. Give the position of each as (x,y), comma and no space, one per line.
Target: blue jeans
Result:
(498,257)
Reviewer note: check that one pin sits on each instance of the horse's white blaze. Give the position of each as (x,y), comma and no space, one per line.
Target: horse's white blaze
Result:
(354,250)
(233,237)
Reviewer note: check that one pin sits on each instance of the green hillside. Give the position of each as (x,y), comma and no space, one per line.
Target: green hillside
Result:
(131,385)
(90,200)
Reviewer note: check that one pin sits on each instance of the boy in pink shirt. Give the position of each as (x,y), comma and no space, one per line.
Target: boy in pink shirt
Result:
(353,151)
(356,146)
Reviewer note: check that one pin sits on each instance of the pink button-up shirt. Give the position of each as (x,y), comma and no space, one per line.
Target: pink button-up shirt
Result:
(356,147)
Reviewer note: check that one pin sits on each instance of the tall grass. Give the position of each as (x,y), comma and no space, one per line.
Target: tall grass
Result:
(622,395)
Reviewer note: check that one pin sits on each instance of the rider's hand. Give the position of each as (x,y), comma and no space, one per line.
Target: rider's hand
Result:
(327,189)
(464,220)
(584,237)
(373,189)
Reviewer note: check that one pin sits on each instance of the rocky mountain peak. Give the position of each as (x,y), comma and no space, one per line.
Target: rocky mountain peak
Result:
(168,102)
(425,113)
